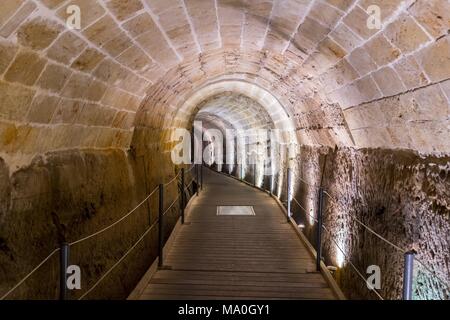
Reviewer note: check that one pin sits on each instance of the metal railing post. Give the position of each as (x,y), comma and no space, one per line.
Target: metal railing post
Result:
(63,265)
(183,202)
(408,275)
(197,173)
(254,174)
(271,184)
(201,177)
(319,229)
(288,193)
(161,225)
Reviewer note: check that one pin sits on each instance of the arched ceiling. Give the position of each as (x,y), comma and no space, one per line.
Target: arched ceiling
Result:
(237,110)
(339,81)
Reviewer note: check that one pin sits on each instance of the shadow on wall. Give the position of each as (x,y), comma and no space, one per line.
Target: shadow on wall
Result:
(400,195)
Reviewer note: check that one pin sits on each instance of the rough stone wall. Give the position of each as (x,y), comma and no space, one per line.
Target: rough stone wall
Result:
(399,194)
(64,196)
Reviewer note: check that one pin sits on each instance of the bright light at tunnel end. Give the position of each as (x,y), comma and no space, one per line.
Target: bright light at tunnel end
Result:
(251,149)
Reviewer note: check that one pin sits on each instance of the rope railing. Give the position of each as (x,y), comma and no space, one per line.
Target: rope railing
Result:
(115,223)
(411,255)
(171,205)
(367,227)
(339,247)
(173,179)
(29,275)
(348,260)
(370,230)
(63,277)
(391,243)
(118,261)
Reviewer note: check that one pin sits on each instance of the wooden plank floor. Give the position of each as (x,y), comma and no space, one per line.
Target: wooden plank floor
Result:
(236,257)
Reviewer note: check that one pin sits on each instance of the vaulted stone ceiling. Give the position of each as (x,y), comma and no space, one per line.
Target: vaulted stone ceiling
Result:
(339,81)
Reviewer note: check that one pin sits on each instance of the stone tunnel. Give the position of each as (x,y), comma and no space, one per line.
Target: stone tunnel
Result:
(88,113)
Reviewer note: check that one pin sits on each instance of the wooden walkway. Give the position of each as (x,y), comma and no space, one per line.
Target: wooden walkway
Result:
(236,257)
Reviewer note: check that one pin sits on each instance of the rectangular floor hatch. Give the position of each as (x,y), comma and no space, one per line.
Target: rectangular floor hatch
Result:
(235,211)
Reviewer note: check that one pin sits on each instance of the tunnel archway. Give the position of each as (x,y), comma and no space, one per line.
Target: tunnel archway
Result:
(86,117)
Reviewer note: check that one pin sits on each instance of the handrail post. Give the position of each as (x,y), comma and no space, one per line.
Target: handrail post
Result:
(201,176)
(254,174)
(408,275)
(182,196)
(63,265)
(319,229)
(271,179)
(197,178)
(161,225)
(288,193)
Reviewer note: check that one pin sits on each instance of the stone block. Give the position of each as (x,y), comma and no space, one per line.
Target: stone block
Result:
(124,120)
(123,9)
(388,81)
(361,60)
(435,60)
(88,60)
(134,58)
(139,24)
(96,115)
(38,33)
(67,111)
(54,77)
(102,31)
(26,68)
(118,44)
(411,73)
(16,20)
(42,108)
(433,15)
(14,101)
(357,21)
(9,7)
(406,34)
(381,51)
(96,91)
(77,86)
(345,37)
(8,51)
(368,88)
(66,48)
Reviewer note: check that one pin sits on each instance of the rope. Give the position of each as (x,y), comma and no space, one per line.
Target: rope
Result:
(170,207)
(367,227)
(186,187)
(306,211)
(29,274)
(119,261)
(352,265)
(174,178)
(115,223)
(305,182)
